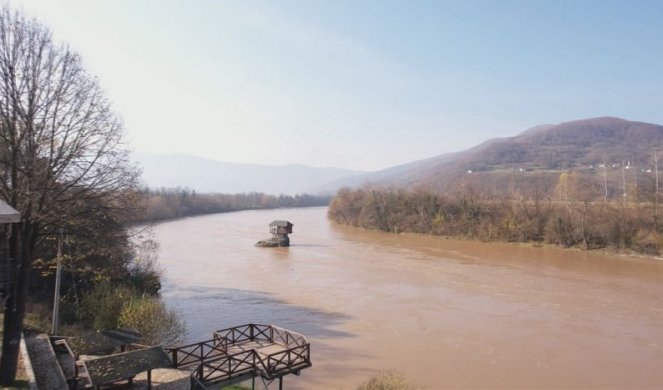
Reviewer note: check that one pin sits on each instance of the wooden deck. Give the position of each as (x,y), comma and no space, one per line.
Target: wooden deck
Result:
(241,353)
(264,348)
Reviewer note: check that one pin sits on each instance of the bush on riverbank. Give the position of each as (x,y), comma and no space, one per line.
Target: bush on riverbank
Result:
(564,222)
(127,297)
(133,302)
(153,320)
(387,380)
(101,308)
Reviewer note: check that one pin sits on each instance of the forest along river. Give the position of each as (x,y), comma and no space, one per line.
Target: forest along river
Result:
(447,313)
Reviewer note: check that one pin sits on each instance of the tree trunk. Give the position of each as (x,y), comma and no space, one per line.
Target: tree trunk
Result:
(15,307)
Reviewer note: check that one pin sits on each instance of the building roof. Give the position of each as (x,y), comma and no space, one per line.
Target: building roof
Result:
(281,223)
(8,214)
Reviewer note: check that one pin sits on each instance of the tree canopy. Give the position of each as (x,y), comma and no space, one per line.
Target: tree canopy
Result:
(62,156)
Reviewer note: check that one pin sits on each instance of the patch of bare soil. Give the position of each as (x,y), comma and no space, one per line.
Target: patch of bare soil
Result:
(165,379)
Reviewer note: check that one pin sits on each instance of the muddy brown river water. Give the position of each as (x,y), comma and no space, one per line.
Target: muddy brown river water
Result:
(447,313)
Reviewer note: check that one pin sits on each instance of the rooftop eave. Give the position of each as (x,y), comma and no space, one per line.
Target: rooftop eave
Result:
(8,214)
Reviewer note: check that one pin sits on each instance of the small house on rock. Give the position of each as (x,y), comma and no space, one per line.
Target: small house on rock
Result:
(280,230)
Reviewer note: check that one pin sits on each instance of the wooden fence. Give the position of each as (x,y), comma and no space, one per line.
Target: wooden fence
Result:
(212,363)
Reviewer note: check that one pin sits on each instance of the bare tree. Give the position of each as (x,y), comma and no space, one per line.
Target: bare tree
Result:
(61,152)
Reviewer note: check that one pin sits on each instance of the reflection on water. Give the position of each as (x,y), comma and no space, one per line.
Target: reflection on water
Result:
(210,309)
(278,253)
(448,313)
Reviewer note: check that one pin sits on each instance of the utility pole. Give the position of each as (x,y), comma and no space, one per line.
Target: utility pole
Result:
(656,195)
(605,197)
(58,277)
(635,185)
(624,180)
(624,202)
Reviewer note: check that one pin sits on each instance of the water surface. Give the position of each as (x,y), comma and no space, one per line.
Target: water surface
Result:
(447,313)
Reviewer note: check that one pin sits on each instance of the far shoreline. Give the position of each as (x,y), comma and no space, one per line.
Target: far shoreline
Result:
(617,252)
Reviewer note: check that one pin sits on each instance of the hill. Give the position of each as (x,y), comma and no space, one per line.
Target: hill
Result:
(532,160)
(205,175)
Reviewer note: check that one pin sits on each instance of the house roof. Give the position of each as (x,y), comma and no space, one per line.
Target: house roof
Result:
(8,214)
(281,223)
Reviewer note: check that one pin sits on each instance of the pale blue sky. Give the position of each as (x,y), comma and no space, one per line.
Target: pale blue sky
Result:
(360,84)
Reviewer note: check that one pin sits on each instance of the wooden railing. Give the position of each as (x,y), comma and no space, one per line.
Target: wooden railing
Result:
(286,361)
(192,355)
(226,367)
(196,384)
(287,338)
(259,332)
(213,364)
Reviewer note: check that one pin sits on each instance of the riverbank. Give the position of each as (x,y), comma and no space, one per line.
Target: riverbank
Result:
(170,204)
(621,252)
(614,226)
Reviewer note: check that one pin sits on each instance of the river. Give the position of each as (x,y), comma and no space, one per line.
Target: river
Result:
(446,313)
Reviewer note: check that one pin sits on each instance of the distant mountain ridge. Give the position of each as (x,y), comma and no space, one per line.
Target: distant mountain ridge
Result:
(206,175)
(548,149)
(545,150)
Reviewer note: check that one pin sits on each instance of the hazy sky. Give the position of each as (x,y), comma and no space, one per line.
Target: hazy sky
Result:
(360,84)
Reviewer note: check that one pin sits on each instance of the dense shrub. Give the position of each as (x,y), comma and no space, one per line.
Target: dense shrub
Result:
(387,380)
(153,320)
(110,306)
(101,307)
(562,221)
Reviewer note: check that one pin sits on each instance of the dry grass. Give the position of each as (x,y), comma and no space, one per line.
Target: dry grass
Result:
(388,380)
(22,380)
